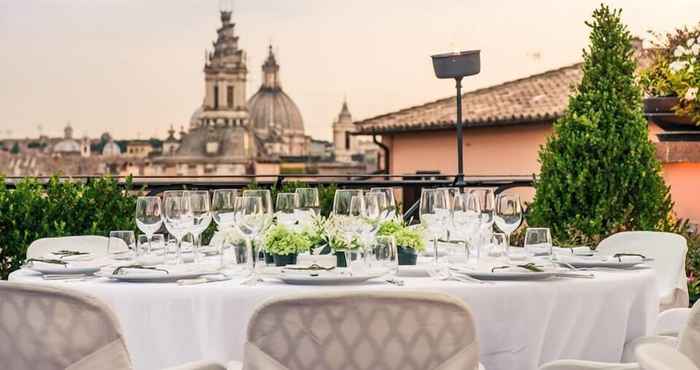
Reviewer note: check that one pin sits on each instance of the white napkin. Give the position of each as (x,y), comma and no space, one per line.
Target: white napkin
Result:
(582,251)
(80,257)
(624,259)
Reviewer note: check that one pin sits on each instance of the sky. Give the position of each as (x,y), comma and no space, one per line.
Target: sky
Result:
(134,67)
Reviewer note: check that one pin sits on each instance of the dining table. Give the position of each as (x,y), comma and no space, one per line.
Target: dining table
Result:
(520,324)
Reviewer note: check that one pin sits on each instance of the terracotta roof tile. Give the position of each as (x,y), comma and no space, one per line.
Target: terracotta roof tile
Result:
(535,98)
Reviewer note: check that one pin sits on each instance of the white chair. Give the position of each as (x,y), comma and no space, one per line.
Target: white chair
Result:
(53,328)
(668,250)
(362,331)
(94,244)
(687,344)
(661,357)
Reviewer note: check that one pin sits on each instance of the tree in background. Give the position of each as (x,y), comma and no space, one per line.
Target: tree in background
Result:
(15,148)
(599,171)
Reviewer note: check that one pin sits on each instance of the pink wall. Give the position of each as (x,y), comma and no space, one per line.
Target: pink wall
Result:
(513,150)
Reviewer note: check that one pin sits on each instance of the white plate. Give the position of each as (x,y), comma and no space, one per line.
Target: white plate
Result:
(508,275)
(592,262)
(155,276)
(51,269)
(325,279)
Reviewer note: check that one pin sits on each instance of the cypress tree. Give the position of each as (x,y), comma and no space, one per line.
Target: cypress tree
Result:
(599,172)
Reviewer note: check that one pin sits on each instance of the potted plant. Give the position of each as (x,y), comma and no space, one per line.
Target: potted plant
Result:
(672,80)
(408,241)
(285,244)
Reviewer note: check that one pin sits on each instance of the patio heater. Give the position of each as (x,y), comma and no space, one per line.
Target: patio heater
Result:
(457,65)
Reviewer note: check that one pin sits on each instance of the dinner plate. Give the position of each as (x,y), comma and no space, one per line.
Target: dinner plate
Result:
(70,268)
(325,279)
(149,276)
(507,275)
(592,262)
(413,271)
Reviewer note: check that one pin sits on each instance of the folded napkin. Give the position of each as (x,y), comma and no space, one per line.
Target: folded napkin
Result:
(624,258)
(140,269)
(323,260)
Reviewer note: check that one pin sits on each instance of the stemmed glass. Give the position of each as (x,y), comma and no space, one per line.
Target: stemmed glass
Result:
(287,206)
(223,209)
(201,211)
(342,211)
(466,221)
(251,220)
(508,213)
(434,214)
(268,213)
(388,209)
(149,217)
(487,201)
(309,201)
(179,219)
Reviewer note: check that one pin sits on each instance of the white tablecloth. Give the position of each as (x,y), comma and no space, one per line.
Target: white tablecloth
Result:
(520,325)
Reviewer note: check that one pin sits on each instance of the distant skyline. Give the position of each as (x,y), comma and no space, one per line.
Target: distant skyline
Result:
(133,68)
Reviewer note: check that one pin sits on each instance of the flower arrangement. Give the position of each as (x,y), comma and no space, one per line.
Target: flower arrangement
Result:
(405,236)
(280,240)
(675,71)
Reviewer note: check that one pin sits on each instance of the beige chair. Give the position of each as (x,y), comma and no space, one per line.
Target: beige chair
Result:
(668,251)
(407,331)
(688,344)
(661,357)
(52,328)
(94,244)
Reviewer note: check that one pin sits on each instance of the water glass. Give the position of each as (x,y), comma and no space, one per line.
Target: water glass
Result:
(250,219)
(497,246)
(171,252)
(223,211)
(383,255)
(121,243)
(538,242)
(508,213)
(142,242)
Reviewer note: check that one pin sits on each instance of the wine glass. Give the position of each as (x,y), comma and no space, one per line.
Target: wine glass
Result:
(201,211)
(487,201)
(223,208)
(268,212)
(508,213)
(309,200)
(149,217)
(538,242)
(389,210)
(287,206)
(342,198)
(450,193)
(466,222)
(179,219)
(251,220)
(434,214)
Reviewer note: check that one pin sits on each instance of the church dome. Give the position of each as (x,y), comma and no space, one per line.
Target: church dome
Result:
(271,106)
(111,149)
(66,146)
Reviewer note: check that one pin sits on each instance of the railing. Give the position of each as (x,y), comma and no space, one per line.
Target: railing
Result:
(410,185)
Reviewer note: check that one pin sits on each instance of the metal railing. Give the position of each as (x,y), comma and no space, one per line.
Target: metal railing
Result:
(410,185)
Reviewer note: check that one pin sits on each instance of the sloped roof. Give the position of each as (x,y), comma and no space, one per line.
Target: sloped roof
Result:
(536,98)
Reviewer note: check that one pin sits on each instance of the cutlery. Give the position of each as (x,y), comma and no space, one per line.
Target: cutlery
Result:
(396,282)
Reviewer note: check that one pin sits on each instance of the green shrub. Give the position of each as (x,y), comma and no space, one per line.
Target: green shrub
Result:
(599,171)
(32,211)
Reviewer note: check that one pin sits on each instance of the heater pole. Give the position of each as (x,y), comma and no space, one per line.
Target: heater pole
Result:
(460,135)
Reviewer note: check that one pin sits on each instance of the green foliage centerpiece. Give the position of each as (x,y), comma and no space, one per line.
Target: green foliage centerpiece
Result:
(599,172)
(408,241)
(284,244)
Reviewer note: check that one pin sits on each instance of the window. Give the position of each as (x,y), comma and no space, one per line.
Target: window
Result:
(347,141)
(229,96)
(216,97)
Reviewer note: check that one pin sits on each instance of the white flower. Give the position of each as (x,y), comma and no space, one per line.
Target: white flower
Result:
(677,66)
(695,49)
(691,94)
(690,42)
(680,50)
